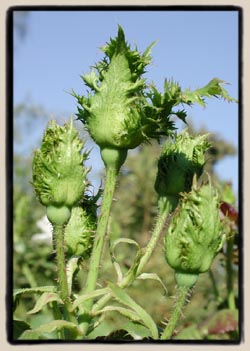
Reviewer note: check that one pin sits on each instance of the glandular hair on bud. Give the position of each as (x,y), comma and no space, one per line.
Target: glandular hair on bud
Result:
(195,233)
(58,170)
(180,160)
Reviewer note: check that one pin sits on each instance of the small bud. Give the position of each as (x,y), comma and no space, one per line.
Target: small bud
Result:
(79,232)
(194,235)
(178,164)
(58,170)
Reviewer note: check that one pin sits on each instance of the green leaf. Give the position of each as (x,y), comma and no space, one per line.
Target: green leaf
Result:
(113,257)
(72,267)
(48,328)
(124,311)
(34,290)
(44,300)
(91,295)
(153,276)
(104,328)
(19,327)
(18,292)
(137,331)
(126,300)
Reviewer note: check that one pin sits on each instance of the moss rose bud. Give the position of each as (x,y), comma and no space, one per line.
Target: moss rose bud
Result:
(179,162)
(194,235)
(58,170)
(79,232)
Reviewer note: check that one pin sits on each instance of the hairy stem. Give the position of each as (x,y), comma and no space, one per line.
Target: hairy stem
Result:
(182,294)
(58,233)
(95,259)
(60,258)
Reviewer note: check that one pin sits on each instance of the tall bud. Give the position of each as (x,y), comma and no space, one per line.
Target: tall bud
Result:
(58,171)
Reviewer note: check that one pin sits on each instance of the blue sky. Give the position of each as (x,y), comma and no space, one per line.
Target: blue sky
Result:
(193,47)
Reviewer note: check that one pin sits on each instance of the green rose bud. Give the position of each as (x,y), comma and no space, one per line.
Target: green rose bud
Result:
(194,235)
(121,111)
(113,113)
(178,164)
(58,171)
(79,232)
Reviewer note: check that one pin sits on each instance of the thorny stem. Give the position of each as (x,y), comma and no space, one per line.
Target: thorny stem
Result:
(166,208)
(111,178)
(182,294)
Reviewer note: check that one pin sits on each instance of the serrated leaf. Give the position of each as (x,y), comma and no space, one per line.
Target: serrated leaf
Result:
(153,276)
(34,290)
(72,266)
(18,292)
(43,300)
(125,299)
(48,328)
(19,327)
(124,311)
(82,298)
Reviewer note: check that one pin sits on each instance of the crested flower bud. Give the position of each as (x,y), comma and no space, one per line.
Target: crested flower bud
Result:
(58,171)
(79,232)
(113,113)
(117,111)
(194,235)
(178,164)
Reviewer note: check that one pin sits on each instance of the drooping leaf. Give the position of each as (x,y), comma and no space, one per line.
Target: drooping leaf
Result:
(48,328)
(122,297)
(72,267)
(153,276)
(113,257)
(44,299)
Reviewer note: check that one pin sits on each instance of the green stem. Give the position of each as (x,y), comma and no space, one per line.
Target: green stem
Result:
(58,233)
(60,257)
(229,268)
(182,294)
(165,208)
(111,178)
